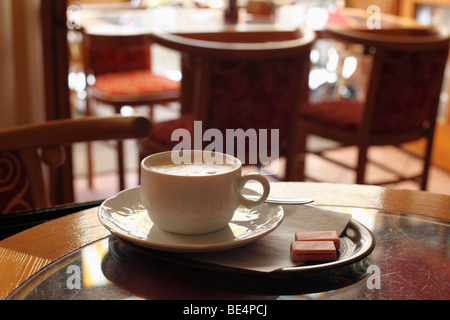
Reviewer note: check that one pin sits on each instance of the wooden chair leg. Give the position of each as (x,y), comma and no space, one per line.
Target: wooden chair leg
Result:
(121,164)
(90,165)
(300,160)
(362,163)
(426,164)
(295,159)
(151,111)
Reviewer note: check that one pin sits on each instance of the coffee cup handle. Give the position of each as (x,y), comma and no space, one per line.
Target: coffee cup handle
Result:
(266,189)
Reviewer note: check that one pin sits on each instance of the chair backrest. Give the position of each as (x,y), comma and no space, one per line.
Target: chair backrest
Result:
(111,53)
(406,78)
(244,79)
(22,148)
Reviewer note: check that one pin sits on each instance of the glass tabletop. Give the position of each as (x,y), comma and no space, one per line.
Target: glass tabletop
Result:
(411,260)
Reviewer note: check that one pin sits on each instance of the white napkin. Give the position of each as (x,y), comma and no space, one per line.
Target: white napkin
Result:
(272,252)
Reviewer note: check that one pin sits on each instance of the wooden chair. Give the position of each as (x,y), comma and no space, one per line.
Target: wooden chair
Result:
(237,80)
(22,182)
(386,6)
(121,66)
(400,105)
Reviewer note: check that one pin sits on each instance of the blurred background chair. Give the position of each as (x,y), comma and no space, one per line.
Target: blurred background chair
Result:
(23,185)
(237,80)
(400,105)
(118,70)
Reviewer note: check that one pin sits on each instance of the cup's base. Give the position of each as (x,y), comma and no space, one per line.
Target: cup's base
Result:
(190,226)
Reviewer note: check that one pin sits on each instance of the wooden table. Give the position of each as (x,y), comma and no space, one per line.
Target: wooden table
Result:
(411,229)
(178,19)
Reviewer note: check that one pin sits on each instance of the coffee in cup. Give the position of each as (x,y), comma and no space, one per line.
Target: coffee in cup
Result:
(198,194)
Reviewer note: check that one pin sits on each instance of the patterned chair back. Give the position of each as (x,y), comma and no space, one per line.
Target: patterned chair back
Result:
(406,78)
(245,80)
(16,182)
(408,85)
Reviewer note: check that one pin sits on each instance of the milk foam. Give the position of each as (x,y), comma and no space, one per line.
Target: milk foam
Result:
(194,169)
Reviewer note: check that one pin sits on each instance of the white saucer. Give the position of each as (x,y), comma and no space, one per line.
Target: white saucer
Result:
(125,217)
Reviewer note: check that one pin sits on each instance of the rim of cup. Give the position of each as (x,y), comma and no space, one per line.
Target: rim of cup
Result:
(236,163)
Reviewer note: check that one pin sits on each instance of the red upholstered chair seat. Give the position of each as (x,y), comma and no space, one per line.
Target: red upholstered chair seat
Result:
(134,82)
(342,114)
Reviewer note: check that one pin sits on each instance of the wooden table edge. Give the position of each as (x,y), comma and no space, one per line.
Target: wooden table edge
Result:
(26,253)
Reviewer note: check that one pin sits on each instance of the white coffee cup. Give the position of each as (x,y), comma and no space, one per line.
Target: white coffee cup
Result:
(194,192)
